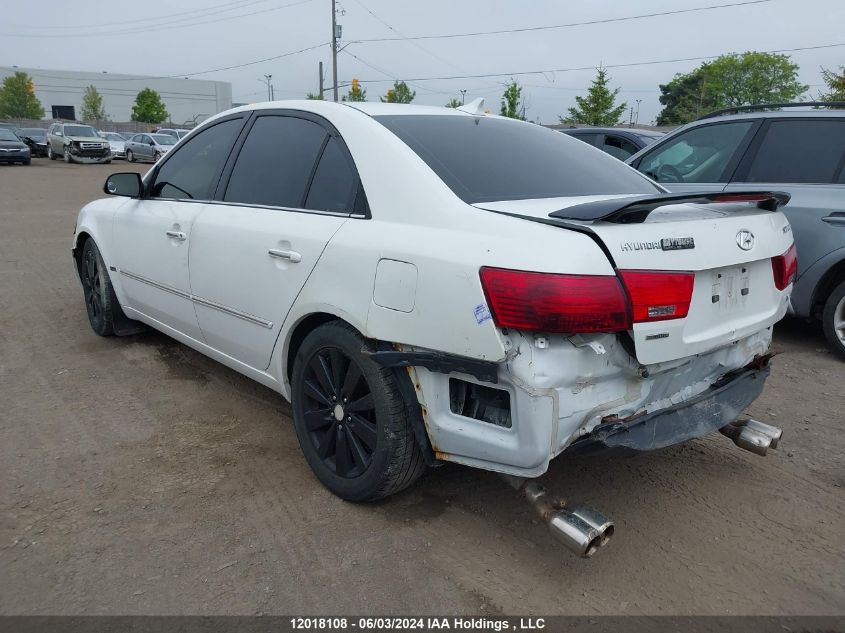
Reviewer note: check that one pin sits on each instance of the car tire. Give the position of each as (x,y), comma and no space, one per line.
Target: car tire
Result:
(108,162)
(100,301)
(833,319)
(156,157)
(27,162)
(50,154)
(67,156)
(351,420)
(129,156)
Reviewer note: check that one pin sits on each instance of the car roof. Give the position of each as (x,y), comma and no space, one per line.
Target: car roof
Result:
(612,130)
(366,107)
(776,114)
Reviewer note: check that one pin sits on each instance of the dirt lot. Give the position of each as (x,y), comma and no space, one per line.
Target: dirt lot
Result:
(137,476)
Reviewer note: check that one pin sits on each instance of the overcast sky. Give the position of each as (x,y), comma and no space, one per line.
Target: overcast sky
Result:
(149,38)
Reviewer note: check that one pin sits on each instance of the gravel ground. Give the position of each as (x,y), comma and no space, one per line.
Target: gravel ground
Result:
(139,477)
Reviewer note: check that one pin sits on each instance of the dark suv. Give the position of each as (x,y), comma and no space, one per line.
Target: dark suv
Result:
(800,152)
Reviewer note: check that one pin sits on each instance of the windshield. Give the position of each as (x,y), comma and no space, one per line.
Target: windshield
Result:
(113,136)
(491,159)
(163,139)
(34,132)
(7,135)
(80,130)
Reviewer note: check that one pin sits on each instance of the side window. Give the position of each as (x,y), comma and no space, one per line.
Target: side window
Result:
(333,183)
(618,147)
(800,151)
(699,155)
(276,162)
(590,139)
(191,172)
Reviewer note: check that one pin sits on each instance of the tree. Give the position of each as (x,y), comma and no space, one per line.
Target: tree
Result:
(313,97)
(835,84)
(17,98)
(400,93)
(356,92)
(454,103)
(599,106)
(732,80)
(92,105)
(149,107)
(511,106)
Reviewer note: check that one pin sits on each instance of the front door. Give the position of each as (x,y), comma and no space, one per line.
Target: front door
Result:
(254,249)
(153,234)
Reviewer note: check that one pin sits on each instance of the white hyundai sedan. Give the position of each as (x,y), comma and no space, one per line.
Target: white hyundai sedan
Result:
(431,285)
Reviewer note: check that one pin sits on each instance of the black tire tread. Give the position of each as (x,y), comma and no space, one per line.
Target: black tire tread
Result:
(827,319)
(406,463)
(106,328)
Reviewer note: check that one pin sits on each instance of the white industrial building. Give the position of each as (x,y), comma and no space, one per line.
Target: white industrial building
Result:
(186,100)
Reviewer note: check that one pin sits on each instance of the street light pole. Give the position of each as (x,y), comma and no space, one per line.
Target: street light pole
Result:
(637,115)
(334,50)
(463,95)
(267,78)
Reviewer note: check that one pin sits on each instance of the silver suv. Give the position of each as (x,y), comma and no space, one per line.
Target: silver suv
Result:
(802,153)
(77,143)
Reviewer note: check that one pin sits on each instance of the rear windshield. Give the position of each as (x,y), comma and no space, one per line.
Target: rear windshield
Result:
(489,159)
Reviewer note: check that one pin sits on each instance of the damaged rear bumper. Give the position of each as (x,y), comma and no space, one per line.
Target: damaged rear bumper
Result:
(708,412)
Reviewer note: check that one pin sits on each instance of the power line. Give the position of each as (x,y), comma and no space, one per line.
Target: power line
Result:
(593,67)
(154,28)
(230,6)
(100,78)
(564,26)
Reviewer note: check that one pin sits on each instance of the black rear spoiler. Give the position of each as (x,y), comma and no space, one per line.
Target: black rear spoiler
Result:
(635,209)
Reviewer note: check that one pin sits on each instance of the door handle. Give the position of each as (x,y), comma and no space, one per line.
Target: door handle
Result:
(177,235)
(292,256)
(835,219)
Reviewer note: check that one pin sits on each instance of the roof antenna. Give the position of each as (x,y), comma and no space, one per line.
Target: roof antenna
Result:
(475,108)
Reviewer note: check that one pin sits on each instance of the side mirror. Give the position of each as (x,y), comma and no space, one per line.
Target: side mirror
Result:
(127,184)
(152,143)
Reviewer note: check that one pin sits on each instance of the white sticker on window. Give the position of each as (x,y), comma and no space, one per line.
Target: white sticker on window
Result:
(482,314)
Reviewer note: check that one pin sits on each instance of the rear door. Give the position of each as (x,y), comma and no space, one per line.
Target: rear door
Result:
(806,157)
(701,158)
(288,191)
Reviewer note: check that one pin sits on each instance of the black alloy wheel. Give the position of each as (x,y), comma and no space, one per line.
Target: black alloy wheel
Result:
(339,412)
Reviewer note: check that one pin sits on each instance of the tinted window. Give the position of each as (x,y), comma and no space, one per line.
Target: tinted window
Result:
(590,138)
(799,151)
(331,189)
(618,147)
(701,154)
(276,161)
(487,159)
(192,170)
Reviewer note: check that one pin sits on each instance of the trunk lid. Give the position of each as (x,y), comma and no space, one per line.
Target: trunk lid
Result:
(728,247)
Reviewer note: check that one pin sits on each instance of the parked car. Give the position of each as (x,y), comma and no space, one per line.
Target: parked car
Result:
(800,152)
(13,149)
(35,138)
(618,142)
(117,143)
(430,285)
(76,143)
(148,147)
(9,126)
(176,133)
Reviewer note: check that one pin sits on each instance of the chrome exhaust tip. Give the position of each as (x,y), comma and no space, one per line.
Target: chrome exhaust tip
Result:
(582,530)
(753,435)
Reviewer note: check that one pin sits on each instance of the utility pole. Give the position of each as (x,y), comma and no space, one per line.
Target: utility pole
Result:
(321,81)
(267,79)
(334,49)
(631,117)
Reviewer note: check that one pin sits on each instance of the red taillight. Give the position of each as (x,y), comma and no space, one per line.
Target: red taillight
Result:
(785,267)
(657,295)
(544,302)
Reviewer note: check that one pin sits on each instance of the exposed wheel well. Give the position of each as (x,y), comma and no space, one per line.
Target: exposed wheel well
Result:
(303,329)
(828,282)
(81,239)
